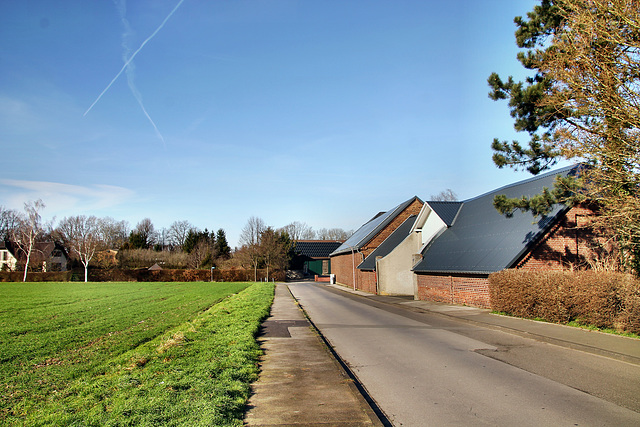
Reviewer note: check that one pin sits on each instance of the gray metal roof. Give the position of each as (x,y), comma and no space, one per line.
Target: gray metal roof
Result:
(316,248)
(447,211)
(481,240)
(369,230)
(389,244)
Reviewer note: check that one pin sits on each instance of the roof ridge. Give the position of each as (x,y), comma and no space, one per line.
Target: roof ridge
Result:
(524,181)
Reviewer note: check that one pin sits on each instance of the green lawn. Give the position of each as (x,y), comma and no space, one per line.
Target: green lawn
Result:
(128,353)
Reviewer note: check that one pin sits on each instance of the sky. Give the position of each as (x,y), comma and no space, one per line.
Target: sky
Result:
(323,112)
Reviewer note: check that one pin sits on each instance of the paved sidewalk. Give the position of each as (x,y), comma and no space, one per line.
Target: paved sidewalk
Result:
(300,382)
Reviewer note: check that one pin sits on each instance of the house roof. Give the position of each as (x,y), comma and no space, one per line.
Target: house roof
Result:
(482,240)
(316,248)
(447,211)
(370,229)
(42,249)
(389,244)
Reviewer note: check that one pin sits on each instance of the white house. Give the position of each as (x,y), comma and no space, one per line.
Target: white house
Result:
(7,260)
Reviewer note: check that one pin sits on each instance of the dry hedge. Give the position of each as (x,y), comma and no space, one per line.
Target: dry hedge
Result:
(146,275)
(52,276)
(602,299)
(179,275)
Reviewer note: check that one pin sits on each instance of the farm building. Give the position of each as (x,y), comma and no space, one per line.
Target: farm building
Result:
(347,258)
(456,264)
(445,251)
(312,256)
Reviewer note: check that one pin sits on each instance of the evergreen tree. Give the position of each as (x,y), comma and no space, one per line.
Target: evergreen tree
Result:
(581,104)
(525,97)
(222,248)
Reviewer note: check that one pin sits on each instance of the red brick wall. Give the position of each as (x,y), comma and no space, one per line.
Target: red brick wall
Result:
(367,281)
(342,267)
(465,290)
(413,209)
(565,246)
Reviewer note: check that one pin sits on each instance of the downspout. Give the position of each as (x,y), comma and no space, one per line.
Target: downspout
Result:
(362,256)
(377,277)
(353,268)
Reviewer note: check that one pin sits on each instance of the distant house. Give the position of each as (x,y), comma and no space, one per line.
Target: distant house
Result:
(312,256)
(7,259)
(347,261)
(456,263)
(46,256)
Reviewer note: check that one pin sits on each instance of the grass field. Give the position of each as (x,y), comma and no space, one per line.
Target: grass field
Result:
(128,353)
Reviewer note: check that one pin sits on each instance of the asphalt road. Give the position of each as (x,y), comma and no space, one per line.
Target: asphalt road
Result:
(424,369)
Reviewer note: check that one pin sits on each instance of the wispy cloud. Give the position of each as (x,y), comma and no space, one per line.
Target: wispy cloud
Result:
(128,60)
(63,199)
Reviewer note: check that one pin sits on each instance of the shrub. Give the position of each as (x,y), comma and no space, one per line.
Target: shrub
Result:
(52,276)
(597,298)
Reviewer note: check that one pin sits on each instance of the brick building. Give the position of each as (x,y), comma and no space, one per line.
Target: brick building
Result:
(347,260)
(456,264)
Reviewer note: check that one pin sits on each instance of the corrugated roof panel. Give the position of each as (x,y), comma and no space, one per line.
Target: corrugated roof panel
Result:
(316,248)
(369,230)
(447,211)
(483,240)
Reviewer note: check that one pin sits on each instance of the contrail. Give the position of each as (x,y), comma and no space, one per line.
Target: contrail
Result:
(122,9)
(126,64)
(138,96)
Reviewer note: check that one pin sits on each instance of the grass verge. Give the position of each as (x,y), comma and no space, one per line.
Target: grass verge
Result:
(197,372)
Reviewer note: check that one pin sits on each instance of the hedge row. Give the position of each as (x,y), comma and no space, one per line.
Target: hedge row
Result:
(53,276)
(601,299)
(145,275)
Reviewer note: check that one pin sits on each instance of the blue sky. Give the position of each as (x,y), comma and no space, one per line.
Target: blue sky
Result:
(323,112)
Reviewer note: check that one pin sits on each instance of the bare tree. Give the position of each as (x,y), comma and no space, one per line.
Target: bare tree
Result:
(333,234)
(252,231)
(9,220)
(447,195)
(274,249)
(143,236)
(250,237)
(299,231)
(81,234)
(178,232)
(30,228)
(113,233)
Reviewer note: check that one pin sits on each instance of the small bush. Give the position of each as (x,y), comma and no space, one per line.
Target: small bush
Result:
(597,298)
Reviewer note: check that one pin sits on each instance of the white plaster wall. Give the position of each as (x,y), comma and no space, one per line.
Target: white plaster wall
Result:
(431,227)
(394,271)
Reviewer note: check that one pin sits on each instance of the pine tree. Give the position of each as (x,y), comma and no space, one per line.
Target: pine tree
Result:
(582,104)
(222,248)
